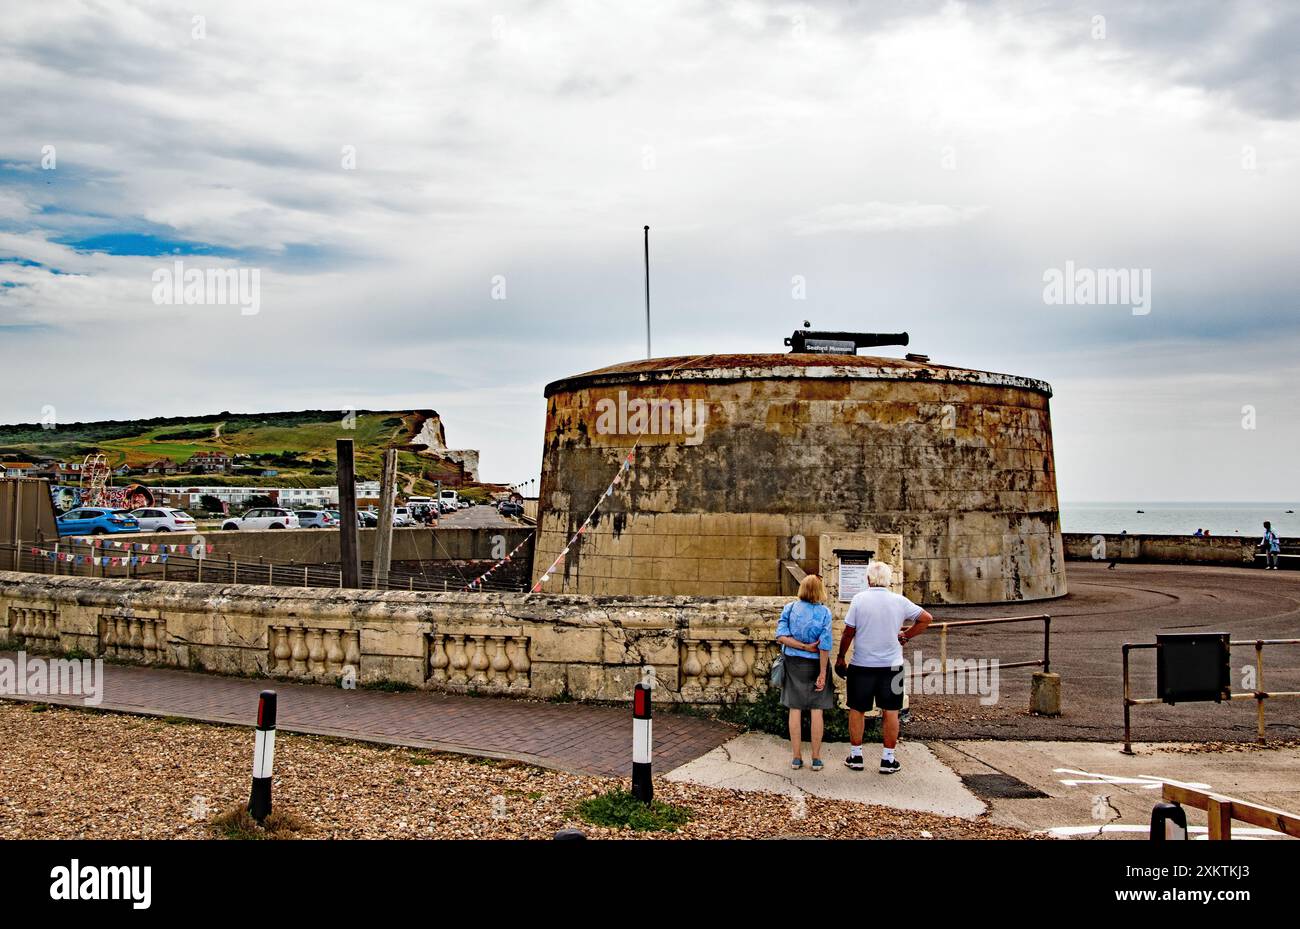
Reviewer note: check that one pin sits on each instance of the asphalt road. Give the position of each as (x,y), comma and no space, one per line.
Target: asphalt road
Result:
(478,517)
(1103,610)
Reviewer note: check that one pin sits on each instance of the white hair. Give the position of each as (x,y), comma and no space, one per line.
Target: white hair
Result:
(879,574)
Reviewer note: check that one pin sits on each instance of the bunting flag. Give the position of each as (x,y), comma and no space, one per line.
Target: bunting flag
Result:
(477,583)
(586,523)
(624,467)
(123,560)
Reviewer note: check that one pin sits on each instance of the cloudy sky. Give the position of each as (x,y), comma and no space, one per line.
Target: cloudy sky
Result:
(393,170)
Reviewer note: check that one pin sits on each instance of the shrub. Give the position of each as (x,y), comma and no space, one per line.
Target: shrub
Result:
(620,810)
(766,714)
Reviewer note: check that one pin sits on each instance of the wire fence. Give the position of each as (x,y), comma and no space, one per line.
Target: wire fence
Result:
(101,557)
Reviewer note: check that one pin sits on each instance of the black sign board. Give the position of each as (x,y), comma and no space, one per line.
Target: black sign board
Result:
(1193,667)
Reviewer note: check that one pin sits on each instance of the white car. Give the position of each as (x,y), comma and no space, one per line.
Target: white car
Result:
(161,519)
(267,517)
(402,516)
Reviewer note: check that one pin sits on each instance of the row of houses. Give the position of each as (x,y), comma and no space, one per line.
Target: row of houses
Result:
(65,471)
(291,497)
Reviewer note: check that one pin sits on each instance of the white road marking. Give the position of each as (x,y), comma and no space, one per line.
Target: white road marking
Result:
(1249,833)
(1145,781)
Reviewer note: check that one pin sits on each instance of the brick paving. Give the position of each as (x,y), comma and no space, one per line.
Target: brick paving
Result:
(565,736)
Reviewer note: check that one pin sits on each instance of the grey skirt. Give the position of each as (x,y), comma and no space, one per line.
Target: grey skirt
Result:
(797,690)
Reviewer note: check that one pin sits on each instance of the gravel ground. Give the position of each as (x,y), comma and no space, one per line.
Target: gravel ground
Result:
(73,773)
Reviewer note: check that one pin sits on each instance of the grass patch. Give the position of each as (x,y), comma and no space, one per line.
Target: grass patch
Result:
(236,823)
(421,760)
(620,810)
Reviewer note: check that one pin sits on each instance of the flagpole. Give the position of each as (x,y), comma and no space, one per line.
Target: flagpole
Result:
(647,291)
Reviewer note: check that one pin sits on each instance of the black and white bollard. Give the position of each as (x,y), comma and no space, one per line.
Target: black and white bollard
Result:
(642,744)
(1168,822)
(259,801)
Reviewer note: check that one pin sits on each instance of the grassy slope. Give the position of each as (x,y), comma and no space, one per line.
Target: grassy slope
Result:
(310,434)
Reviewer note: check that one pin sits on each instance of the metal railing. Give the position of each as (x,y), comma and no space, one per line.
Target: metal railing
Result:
(1045,662)
(213,568)
(1258,694)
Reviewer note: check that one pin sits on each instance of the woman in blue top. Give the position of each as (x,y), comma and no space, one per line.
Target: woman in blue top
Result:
(804,634)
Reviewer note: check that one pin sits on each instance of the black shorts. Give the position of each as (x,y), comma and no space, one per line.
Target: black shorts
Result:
(871,687)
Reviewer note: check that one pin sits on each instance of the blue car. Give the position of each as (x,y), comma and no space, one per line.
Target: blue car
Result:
(95,520)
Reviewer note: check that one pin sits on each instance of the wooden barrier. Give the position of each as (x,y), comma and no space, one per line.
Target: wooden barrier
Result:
(1221,811)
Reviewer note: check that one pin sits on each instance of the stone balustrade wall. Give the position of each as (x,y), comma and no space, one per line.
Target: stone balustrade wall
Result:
(702,649)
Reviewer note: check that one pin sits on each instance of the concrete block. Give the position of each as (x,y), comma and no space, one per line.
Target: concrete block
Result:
(1045,694)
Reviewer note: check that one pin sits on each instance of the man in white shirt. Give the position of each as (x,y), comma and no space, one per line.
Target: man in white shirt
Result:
(874,625)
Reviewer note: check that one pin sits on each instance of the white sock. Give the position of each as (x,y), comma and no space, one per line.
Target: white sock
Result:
(855,751)
(887,754)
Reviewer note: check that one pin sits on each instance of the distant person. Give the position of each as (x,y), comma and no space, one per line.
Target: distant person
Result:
(874,625)
(804,634)
(1198,534)
(1271,545)
(1119,547)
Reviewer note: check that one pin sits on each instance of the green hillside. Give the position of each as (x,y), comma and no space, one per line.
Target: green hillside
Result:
(298,445)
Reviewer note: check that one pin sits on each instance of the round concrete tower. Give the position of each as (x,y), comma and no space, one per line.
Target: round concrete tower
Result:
(745,464)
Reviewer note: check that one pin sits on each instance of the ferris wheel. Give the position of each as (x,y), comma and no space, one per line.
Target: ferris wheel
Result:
(94,480)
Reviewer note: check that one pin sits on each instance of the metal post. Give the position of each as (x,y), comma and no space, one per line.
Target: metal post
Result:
(647,292)
(1047,645)
(943,650)
(1259,687)
(1128,745)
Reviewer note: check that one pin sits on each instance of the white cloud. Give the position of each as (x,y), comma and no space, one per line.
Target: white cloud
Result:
(882,217)
(918,164)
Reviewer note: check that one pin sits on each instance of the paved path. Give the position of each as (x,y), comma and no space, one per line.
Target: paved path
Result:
(756,761)
(1089,790)
(568,737)
(1067,790)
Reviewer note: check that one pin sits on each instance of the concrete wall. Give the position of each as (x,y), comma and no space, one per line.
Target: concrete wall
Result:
(959,463)
(1168,549)
(593,648)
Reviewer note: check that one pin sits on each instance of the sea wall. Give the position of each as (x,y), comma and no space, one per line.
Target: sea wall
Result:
(1167,549)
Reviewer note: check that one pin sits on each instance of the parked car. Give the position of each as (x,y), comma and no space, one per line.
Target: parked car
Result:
(402,516)
(90,520)
(446,506)
(267,517)
(367,519)
(162,519)
(317,519)
(510,508)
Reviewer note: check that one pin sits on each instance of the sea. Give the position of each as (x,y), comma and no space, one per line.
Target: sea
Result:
(1171,518)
